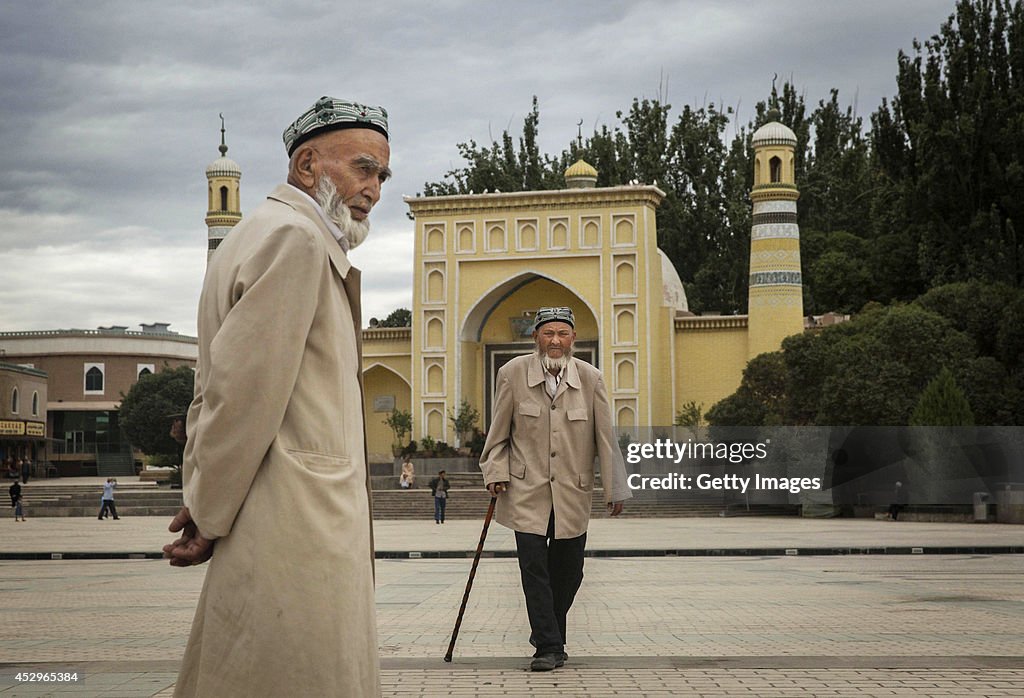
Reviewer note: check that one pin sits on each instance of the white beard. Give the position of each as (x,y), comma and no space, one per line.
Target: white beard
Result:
(355,232)
(556,364)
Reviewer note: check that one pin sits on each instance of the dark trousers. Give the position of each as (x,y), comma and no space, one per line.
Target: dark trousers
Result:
(439,504)
(108,505)
(894,511)
(552,571)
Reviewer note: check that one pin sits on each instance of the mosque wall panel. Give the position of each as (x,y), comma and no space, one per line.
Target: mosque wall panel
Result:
(624,230)
(590,232)
(434,238)
(526,234)
(558,233)
(496,240)
(624,275)
(465,235)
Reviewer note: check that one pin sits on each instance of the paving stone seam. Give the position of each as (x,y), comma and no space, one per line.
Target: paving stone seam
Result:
(650,553)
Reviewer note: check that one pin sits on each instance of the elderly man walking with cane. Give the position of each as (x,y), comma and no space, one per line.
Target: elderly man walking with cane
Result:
(551,417)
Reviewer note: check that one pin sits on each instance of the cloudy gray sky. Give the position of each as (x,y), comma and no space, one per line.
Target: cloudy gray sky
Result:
(109,113)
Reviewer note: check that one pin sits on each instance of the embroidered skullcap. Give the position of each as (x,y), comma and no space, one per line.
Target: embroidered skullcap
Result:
(329,114)
(546,315)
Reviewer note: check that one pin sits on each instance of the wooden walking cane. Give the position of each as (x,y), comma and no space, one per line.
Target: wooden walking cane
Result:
(469,582)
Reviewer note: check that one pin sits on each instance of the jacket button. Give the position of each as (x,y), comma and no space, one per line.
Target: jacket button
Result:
(552,478)
(553,407)
(553,454)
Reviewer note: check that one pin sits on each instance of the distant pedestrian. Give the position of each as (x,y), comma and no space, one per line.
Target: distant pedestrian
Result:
(26,470)
(439,487)
(108,500)
(408,477)
(16,502)
(899,500)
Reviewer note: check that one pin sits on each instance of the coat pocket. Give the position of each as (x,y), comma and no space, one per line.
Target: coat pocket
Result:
(577,414)
(517,469)
(529,409)
(320,463)
(587,481)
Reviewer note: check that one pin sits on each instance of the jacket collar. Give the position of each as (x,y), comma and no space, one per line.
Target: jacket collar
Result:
(290,196)
(570,375)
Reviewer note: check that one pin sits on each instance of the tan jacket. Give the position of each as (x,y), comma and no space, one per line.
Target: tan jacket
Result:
(275,467)
(545,448)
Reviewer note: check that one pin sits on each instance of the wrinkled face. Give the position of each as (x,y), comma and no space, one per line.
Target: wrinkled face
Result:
(554,339)
(356,161)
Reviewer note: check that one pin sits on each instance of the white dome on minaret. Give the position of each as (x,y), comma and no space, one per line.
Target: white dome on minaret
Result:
(223,167)
(773,133)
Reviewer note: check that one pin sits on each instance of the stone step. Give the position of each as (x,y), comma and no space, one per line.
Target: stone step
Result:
(170,496)
(392,504)
(115,464)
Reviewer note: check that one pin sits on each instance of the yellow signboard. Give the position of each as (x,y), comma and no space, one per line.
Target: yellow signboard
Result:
(35,429)
(10,427)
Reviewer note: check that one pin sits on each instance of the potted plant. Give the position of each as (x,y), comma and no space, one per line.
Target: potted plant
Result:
(400,423)
(464,421)
(427,446)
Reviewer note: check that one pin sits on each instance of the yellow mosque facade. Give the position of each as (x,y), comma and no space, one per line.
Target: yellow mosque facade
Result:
(484,263)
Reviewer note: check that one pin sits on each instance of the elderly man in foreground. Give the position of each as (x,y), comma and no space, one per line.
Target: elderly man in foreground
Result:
(551,417)
(276,481)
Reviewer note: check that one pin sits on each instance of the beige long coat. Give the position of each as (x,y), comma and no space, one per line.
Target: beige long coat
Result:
(545,448)
(275,467)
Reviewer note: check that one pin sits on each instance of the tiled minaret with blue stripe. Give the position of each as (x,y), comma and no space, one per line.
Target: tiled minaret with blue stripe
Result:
(775,304)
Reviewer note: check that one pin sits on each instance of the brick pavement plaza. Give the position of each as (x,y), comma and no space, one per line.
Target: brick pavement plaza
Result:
(723,625)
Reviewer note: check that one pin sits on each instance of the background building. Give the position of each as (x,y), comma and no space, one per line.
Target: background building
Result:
(88,373)
(484,263)
(22,414)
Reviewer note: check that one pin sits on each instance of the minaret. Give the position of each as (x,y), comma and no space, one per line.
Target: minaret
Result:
(775,305)
(224,209)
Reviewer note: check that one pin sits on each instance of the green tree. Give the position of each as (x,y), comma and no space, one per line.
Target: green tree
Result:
(691,415)
(146,410)
(464,420)
(838,278)
(990,391)
(868,371)
(760,399)
(952,144)
(942,404)
(835,189)
(402,317)
(400,423)
(1010,335)
(884,361)
(973,307)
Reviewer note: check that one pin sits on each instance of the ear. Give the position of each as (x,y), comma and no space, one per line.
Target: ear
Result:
(305,167)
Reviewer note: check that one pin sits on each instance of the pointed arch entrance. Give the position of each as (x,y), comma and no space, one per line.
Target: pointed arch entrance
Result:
(384,390)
